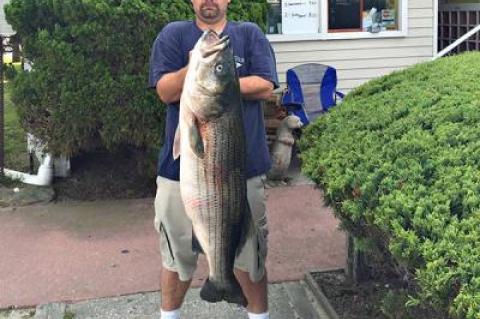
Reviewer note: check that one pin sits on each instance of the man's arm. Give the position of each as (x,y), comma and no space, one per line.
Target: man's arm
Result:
(169,87)
(254,87)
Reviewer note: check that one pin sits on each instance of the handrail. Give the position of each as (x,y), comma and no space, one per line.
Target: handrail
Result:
(457,42)
(2,112)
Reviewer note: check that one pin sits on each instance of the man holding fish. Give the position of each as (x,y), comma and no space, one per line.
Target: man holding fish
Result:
(212,74)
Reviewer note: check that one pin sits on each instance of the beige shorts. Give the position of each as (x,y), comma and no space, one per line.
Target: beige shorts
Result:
(175,229)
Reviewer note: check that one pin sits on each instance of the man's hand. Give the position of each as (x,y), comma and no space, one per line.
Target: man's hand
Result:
(254,87)
(169,87)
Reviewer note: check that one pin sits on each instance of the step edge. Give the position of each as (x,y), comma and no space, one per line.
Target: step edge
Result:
(319,295)
(294,305)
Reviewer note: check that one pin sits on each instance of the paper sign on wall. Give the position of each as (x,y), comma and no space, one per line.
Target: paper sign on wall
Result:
(300,16)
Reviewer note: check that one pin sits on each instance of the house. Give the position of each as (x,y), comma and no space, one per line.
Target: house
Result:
(5,28)
(362,39)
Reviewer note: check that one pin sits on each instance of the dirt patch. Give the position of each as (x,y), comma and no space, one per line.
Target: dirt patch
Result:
(24,195)
(103,175)
(17,313)
(378,298)
(126,174)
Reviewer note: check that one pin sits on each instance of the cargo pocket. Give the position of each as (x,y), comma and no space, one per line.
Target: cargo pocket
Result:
(165,246)
(262,228)
(262,242)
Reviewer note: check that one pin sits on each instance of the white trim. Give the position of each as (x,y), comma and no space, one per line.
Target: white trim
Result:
(404,17)
(365,35)
(324,17)
(335,36)
(324,35)
(435,27)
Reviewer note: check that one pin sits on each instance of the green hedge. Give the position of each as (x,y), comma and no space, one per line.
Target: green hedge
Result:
(399,161)
(90,58)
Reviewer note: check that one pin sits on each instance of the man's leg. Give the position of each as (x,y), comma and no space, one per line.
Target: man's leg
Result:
(173,290)
(250,264)
(255,292)
(178,259)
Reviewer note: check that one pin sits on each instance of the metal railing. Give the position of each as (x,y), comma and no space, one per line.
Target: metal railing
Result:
(458,42)
(5,47)
(2,108)
(457,26)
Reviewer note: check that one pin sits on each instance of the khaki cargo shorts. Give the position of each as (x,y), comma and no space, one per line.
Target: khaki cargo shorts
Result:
(175,229)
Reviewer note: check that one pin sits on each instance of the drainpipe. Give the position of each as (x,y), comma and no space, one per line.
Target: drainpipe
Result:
(45,171)
(44,175)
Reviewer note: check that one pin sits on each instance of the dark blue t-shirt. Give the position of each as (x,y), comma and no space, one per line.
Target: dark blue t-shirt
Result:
(253,56)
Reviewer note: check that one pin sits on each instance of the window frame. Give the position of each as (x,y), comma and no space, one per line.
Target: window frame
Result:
(324,33)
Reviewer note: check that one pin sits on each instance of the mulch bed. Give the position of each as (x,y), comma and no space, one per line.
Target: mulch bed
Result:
(103,175)
(378,298)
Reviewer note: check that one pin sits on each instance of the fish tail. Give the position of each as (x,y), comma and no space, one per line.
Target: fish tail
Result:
(232,293)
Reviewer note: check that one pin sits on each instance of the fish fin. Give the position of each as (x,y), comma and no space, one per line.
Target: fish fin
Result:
(246,230)
(176,144)
(213,292)
(196,247)
(195,140)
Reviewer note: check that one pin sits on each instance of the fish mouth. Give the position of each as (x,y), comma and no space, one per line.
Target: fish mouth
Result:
(212,43)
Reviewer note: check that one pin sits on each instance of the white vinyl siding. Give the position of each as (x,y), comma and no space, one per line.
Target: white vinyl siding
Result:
(359,60)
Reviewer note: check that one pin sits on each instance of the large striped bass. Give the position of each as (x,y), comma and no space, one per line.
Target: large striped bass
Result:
(211,143)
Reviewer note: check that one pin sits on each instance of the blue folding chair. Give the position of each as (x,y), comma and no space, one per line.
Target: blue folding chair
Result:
(311,91)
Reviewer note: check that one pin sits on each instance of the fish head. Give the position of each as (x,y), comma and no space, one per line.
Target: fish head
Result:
(211,71)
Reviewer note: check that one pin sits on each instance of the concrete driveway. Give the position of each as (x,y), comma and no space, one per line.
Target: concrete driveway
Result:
(77,251)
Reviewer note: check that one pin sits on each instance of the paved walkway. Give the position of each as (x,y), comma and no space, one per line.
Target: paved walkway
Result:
(72,252)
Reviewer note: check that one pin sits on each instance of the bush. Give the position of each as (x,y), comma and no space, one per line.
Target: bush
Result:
(399,161)
(90,58)
(9,71)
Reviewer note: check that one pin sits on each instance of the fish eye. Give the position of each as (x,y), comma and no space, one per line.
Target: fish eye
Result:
(219,67)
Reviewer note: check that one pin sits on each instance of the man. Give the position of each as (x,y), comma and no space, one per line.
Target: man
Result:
(256,68)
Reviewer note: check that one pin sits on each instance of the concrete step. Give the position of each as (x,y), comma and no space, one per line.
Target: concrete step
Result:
(50,311)
(291,300)
(145,306)
(303,302)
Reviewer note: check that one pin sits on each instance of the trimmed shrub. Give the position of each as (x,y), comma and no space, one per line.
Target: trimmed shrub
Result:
(90,68)
(399,161)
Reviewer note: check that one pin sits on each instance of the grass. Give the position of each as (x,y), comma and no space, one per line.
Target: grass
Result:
(16,155)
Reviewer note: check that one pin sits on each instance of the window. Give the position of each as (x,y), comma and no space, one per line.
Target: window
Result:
(325,19)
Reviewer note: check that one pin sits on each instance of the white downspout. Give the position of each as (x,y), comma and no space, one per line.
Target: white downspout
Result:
(45,171)
(44,175)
